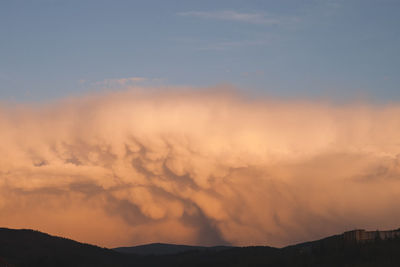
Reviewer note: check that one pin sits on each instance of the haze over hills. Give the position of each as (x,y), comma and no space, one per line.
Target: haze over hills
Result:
(354,248)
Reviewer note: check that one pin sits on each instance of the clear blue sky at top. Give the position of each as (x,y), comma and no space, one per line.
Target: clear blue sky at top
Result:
(315,48)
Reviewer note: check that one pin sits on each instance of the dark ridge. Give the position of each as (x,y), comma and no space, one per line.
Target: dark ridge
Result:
(23,248)
(165,249)
(33,248)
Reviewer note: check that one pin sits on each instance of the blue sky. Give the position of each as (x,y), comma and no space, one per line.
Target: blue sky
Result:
(317,48)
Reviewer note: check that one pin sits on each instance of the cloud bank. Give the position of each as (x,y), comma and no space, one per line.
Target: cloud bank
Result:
(135,167)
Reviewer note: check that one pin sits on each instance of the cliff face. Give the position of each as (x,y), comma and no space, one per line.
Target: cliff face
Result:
(361,235)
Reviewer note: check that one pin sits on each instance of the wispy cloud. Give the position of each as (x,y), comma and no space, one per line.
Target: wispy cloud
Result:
(121,81)
(233,44)
(228,43)
(231,15)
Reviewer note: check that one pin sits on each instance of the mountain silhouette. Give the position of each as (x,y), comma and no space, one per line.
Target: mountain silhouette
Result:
(165,249)
(23,248)
(33,248)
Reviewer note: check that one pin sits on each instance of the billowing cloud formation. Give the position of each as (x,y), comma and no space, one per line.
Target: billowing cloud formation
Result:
(205,168)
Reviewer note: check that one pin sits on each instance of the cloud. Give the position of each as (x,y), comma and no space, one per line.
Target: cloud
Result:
(203,167)
(230,15)
(121,82)
(234,44)
(224,44)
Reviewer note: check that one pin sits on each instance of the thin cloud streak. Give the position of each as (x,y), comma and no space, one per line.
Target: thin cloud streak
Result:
(120,82)
(234,44)
(230,15)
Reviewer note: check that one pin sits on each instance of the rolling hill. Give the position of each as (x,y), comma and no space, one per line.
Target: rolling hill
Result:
(20,248)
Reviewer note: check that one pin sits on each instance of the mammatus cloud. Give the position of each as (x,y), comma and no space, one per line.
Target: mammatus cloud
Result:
(135,167)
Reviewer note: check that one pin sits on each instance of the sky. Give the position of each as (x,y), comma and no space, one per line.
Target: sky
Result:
(311,49)
(199,122)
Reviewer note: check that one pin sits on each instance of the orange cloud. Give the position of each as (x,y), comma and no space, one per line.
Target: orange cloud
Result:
(135,167)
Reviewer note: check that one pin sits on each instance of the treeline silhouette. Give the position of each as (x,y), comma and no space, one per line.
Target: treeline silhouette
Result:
(33,248)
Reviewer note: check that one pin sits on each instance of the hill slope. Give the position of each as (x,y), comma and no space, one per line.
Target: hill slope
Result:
(165,249)
(32,248)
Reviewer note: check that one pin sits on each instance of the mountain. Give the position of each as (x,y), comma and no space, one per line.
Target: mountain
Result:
(165,249)
(33,248)
(23,248)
